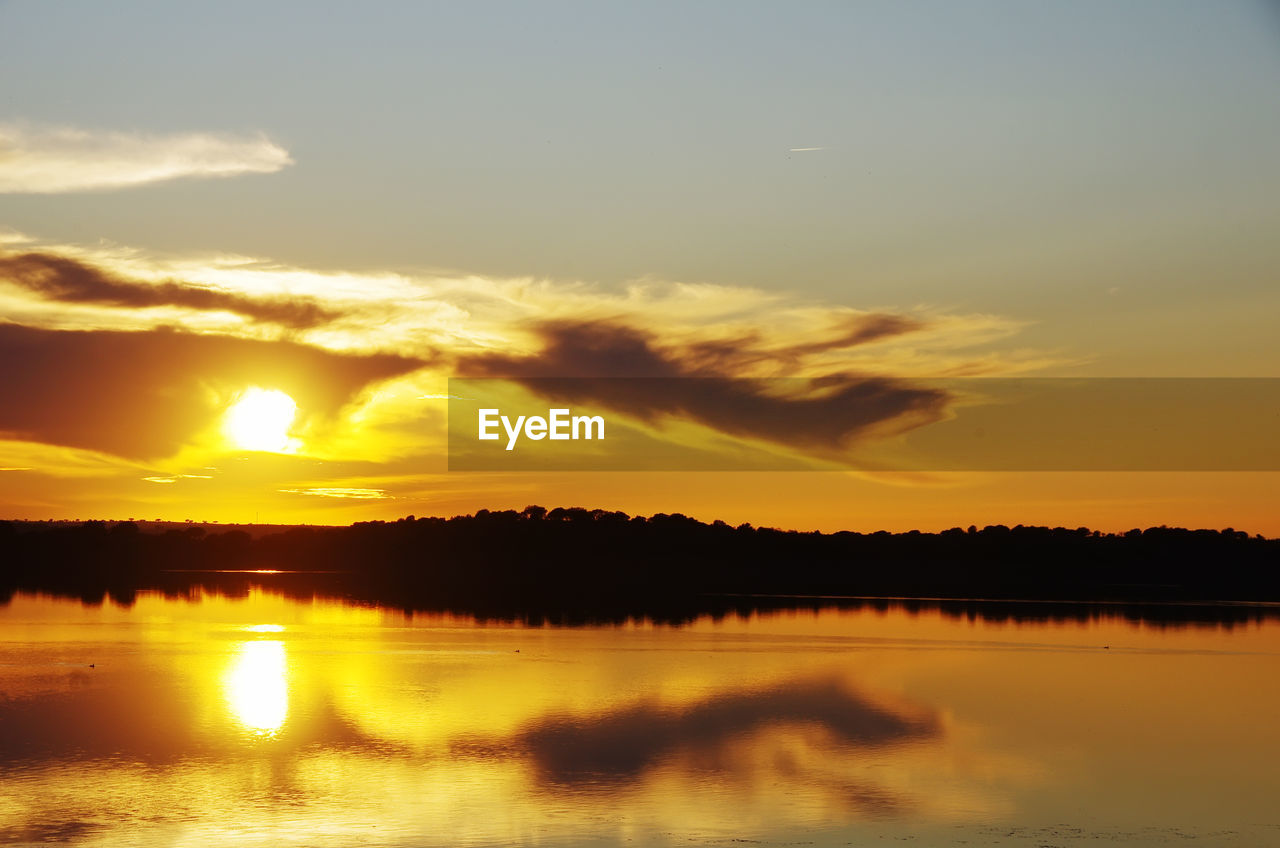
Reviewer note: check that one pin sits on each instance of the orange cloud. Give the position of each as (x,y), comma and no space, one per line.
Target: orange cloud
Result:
(144,394)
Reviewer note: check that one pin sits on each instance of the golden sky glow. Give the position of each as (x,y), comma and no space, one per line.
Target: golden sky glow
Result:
(245,297)
(342,418)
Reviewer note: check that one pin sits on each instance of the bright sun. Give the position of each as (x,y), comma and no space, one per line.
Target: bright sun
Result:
(260,421)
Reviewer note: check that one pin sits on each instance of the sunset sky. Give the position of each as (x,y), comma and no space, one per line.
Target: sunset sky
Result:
(243,247)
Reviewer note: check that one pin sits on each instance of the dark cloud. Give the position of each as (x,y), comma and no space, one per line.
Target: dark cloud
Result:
(620,745)
(143,394)
(861,329)
(69,280)
(581,363)
(747,350)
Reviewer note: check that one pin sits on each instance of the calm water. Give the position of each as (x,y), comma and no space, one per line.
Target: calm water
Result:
(269,721)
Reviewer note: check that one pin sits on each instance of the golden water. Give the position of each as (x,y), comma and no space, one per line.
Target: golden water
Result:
(269,721)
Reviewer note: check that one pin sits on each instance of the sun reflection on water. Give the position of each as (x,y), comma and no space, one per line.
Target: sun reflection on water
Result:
(256,686)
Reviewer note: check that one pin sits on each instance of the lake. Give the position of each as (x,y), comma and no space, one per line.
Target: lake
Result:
(266,719)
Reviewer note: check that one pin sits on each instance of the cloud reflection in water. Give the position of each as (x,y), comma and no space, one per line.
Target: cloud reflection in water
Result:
(731,734)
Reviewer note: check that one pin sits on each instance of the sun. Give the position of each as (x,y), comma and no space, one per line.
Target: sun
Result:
(260,420)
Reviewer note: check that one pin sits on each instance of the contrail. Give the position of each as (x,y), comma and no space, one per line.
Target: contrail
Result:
(804,149)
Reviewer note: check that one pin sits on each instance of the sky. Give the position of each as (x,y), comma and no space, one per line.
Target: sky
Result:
(309,216)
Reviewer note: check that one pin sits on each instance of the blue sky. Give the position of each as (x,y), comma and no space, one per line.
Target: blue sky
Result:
(973,149)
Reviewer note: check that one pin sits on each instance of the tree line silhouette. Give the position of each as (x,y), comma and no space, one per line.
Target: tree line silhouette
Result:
(596,563)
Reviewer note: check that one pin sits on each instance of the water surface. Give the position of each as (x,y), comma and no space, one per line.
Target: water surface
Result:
(268,720)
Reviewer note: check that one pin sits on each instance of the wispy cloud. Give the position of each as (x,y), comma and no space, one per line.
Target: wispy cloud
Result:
(173,478)
(66,279)
(340,492)
(746,332)
(50,160)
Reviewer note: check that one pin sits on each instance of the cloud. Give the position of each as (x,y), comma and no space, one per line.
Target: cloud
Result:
(714,340)
(620,745)
(143,395)
(746,331)
(745,351)
(73,281)
(858,330)
(173,478)
(580,362)
(804,149)
(340,492)
(49,160)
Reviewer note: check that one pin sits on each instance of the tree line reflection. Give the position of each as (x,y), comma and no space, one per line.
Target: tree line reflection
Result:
(675,611)
(577,566)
